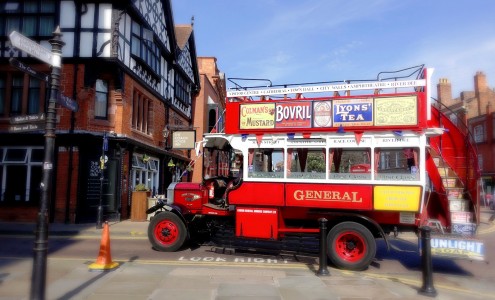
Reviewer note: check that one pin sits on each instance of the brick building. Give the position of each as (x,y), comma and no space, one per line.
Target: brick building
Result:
(476,110)
(209,107)
(133,74)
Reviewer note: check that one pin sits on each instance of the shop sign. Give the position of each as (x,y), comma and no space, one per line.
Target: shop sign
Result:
(457,247)
(184,139)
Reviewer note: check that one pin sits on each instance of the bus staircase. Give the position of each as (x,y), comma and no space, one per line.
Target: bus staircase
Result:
(452,166)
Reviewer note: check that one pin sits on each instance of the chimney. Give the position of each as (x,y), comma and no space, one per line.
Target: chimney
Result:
(444,92)
(481,91)
(480,82)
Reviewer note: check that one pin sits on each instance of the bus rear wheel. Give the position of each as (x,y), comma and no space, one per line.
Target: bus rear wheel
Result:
(167,232)
(351,246)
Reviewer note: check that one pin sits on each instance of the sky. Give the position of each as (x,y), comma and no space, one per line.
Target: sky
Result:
(297,41)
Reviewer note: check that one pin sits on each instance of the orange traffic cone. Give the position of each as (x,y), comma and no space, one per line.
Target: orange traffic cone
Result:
(104,260)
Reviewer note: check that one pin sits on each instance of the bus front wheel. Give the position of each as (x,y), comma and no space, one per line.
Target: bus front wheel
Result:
(351,246)
(167,232)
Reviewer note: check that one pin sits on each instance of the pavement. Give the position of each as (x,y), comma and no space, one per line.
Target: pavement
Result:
(184,280)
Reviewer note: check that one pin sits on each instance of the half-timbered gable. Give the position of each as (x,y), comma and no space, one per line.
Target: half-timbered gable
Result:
(186,76)
(132,78)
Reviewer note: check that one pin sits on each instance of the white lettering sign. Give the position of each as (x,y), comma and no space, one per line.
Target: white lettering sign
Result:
(329,88)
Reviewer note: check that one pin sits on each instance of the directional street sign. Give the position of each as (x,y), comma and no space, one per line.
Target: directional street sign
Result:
(19,65)
(67,102)
(34,49)
(26,127)
(28,119)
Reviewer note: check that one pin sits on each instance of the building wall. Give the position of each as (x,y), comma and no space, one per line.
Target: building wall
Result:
(476,110)
(67,177)
(213,91)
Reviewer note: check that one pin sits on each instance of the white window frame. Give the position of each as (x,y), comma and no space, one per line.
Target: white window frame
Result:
(146,173)
(479,133)
(28,162)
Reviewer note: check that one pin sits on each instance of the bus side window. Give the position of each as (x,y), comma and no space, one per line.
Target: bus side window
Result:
(397,164)
(266,163)
(350,163)
(306,163)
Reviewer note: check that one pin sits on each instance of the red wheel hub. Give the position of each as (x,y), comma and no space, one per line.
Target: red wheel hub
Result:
(166,232)
(350,246)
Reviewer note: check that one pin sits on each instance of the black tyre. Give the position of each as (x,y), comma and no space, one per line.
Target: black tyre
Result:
(351,246)
(167,232)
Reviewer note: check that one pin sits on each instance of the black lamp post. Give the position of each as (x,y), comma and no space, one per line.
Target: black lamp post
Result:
(103,158)
(38,280)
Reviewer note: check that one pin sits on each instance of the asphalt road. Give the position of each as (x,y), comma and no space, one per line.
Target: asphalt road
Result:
(402,259)
(401,264)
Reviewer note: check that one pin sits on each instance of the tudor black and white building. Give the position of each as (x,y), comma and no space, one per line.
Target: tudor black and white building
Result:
(133,74)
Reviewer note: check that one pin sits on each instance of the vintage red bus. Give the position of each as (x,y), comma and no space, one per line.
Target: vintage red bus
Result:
(379,162)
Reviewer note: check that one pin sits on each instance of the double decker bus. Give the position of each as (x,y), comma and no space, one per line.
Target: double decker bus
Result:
(373,158)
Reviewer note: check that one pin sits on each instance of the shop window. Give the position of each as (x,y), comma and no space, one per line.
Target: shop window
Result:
(145,170)
(15,156)
(153,165)
(20,175)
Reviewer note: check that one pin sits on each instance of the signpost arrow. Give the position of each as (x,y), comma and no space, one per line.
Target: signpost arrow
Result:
(19,65)
(67,102)
(34,49)
(28,119)
(26,127)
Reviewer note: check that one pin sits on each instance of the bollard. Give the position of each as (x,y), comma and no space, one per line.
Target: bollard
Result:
(427,289)
(323,269)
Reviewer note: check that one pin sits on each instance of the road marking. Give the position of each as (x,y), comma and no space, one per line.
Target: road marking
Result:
(300,266)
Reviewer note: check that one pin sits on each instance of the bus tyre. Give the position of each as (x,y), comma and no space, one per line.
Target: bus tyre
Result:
(351,246)
(167,232)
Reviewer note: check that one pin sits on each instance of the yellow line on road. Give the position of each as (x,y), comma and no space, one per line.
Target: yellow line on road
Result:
(197,263)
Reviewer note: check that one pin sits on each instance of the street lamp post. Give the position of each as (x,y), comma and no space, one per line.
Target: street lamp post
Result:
(38,280)
(104,148)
